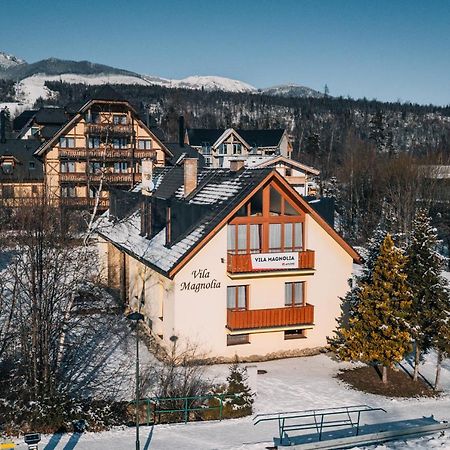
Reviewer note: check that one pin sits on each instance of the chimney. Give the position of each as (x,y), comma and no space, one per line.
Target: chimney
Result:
(147,176)
(181,131)
(190,175)
(2,126)
(236,164)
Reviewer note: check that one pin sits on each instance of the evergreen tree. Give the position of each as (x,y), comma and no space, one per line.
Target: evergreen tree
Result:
(237,381)
(379,332)
(425,282)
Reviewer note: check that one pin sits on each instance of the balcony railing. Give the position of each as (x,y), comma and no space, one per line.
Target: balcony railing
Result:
(243,263)
(82,202)
(99,154)
(114,178)
(270,318)
(104,129)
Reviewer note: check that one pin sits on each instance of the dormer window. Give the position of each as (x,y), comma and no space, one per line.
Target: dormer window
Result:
(31,165)
(120,119)
(237,149)
(7,167)
(222,149)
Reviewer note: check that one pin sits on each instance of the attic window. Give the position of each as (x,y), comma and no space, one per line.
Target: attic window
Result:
(7,167)
(31,165)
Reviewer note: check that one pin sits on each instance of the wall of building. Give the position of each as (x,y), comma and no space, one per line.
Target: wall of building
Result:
(200,317)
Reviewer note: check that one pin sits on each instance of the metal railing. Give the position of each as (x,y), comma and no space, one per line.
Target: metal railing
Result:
(318,420)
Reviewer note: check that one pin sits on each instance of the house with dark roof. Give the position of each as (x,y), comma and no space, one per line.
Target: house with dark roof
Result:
(221,146)
(232,260)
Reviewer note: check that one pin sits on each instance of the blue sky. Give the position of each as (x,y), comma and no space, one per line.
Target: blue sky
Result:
(382,49)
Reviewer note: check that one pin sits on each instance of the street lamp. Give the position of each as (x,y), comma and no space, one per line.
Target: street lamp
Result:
(137,316)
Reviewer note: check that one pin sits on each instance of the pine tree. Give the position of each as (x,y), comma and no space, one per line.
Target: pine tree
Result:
(426,285)
(238,387)
(379,332)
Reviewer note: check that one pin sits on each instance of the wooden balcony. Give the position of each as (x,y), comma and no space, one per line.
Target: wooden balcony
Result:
(270,318)
(101,154)
(111,178)
(243,263)
(104,129)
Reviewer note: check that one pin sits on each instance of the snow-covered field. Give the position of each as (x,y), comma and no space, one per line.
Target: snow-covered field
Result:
(290,384)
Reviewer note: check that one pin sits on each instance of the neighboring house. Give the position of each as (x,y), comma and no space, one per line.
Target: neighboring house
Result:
(302,177)
(220,146)
(40,124)
(234,261)
(100,147)
(21,173)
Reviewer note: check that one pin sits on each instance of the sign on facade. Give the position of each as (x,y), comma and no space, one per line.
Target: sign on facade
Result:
(288,260)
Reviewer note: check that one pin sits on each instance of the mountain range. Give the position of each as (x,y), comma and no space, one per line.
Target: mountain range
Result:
(31,78)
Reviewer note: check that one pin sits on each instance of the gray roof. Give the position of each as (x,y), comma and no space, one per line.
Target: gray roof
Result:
(220,190)
(22,150)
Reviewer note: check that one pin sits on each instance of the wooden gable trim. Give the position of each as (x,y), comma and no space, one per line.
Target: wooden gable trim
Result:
(291,162)
(226,134)
(295,196)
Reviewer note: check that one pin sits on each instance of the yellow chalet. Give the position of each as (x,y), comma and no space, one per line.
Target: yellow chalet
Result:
(100,147)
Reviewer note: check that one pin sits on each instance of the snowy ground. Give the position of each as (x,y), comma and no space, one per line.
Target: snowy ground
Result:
(290,384)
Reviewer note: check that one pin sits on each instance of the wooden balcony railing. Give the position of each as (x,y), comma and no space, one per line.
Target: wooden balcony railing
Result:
(104,129)
(100,154)
(270,318)
(114,178)
(243,263)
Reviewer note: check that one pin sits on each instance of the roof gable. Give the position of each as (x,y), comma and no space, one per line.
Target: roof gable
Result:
(282,160)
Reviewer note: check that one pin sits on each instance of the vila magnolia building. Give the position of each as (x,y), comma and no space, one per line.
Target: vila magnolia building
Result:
(232,260)
(221,146)
(99,148)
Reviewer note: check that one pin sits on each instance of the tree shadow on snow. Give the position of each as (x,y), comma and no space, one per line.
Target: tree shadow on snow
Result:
(73,441)
(149,439)
(53,442)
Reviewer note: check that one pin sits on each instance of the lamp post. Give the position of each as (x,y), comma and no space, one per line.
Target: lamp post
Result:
(137,316)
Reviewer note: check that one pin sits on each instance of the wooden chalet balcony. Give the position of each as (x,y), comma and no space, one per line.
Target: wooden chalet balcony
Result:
(243,263)
(99,154)
(83,202)
(104,129)
(270,318)
(113,178)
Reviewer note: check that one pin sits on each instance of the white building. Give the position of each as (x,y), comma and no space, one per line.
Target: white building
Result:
(234,261)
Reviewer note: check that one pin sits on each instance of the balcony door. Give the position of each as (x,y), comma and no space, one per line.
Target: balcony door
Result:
(269,223)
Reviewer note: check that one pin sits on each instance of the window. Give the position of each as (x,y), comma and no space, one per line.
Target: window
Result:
(237,297)
(95,167)
(206,148)
(31,165)
(7,167)
(208,161)
(67,166)
(120,143)
(120,167)
(68,191)
(294,334)
(144,144)
(237,339)
(66,142)
(92,192)
(237,149)
(94,142)
(222,149)
(120,119)
(294,294)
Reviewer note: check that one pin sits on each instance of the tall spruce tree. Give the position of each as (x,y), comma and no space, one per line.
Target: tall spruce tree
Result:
(379,331)
(429,311)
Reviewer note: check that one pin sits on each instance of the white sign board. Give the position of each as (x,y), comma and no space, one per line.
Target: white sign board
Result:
(288,260)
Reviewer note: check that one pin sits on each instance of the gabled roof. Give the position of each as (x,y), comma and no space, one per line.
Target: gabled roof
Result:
(220,193)
(23,119)
(108,93)
(283,161)
(51,116)
(254,138)
(181,152)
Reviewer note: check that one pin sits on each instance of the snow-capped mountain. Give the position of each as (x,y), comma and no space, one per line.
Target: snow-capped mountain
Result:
(292,90)
(7,61)
(32,78)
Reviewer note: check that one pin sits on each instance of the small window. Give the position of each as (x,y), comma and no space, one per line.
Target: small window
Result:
(119,143)
(222,149)
(237,297)
(92,192)
(67,166)
(237,149)
(144,144)
(120,120)
(31,165)
(66,142)
(294,294)
(68,191)
(94,142)
(294,334)
(238,339)
(120,167)
(7,167)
